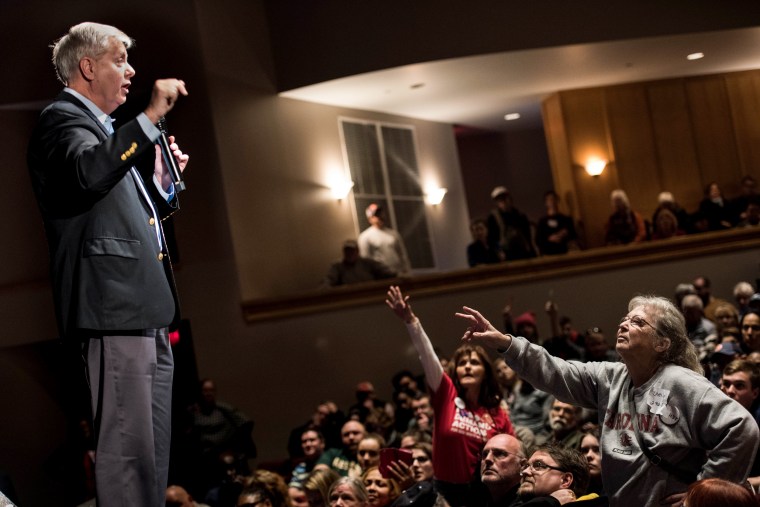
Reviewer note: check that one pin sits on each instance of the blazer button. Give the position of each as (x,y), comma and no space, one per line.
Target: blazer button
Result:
(134,146)
(161,256)
(123,157)
(152,221)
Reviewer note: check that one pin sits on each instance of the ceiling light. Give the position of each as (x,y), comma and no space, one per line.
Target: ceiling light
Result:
(512,116)
(695,56)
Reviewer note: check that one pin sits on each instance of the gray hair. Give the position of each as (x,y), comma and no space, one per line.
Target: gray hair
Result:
(743,289)
(619,193)
(84,39)
(356,485)
(669,324)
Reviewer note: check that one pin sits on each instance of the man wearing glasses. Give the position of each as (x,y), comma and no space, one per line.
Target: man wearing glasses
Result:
(552,476)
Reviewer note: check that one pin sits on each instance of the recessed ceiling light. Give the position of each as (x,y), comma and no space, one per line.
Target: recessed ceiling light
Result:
(695,56)
(512,116)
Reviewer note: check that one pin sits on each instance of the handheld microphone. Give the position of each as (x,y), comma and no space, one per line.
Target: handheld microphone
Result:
(171,162)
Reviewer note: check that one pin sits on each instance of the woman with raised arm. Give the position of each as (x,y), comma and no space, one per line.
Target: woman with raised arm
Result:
(467,408)
(663,424)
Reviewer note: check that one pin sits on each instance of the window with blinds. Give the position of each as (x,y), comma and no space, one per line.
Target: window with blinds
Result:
(382,159)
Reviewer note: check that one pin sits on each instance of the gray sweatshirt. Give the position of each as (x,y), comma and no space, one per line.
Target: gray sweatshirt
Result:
(681,417)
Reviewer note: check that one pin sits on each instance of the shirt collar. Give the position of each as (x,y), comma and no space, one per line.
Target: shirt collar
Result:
(100,115)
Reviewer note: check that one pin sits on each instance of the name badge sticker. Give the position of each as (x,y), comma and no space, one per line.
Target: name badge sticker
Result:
(657,399)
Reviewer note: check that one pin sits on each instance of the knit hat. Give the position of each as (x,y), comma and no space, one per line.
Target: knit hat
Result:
(526,318)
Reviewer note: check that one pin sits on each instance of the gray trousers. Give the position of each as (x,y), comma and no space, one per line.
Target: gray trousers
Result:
(130,379)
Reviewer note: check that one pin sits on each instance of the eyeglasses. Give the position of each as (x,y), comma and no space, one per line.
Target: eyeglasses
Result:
(753,327)
(637,321)
(538,467)
(499,454)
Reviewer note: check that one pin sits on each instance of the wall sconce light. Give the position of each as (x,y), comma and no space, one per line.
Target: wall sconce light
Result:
(434,196)
(595,166)
(341,188)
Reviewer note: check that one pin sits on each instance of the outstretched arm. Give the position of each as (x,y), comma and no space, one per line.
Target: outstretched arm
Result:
(482,331)
(399,303)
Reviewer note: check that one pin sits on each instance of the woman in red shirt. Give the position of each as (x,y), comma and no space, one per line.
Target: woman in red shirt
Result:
(467,408)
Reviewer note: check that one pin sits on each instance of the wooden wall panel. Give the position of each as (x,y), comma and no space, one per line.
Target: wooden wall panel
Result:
(630,127)
(586,125)
(676,135)
(674,141)
(559,155)
(744,96)
(713,132)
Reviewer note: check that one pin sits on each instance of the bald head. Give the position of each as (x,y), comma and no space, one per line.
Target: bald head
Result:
(500,466)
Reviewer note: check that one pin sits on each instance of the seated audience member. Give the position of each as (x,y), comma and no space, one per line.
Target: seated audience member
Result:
(297,496)
(750,327)
(368,451)
(500,464)
(353,268)
(381,491)
(724,353)
(216,428)
(754,357)
(563,426)
(590,450)
(254,496)
(422,462)
(508,228)
(703,286)
(742,292)
(748,195)
(666,202)
(715,210)
(553,471)
(561,344)
(343,460)
(554,231)
(624,225)
(423,413)
(313,445)
(524,325)
(317,486)
(681,291)
(751,216)
(272,482)
(718,493)
(348,492)
(383,244)
(368,406)
(596,347)
(480,251)
(530,407)
(327,420)
(412,437)
(666,226)
(741,382)
(698,328)
(176,496)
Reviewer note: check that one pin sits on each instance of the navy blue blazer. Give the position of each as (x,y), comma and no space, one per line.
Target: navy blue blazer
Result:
(108,271)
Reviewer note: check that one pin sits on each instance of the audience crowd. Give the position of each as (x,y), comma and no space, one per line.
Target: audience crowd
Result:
(680,394)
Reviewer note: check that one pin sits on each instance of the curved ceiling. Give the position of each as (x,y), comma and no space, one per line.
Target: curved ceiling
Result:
(479,91)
